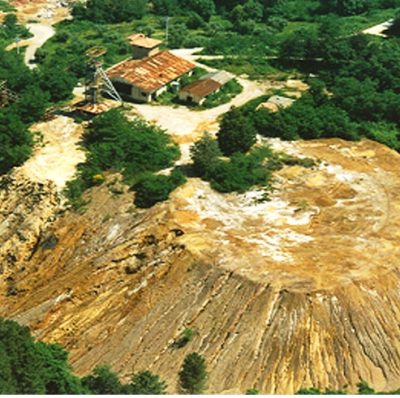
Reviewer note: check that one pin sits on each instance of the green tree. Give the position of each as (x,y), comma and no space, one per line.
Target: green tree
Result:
(193,374)
(57,81)
(103,11)
(15,141)
(147,383)
(103,380)
(151,188)
(236,134)
(29,367)
(205,154)
(10,21)
(241,172)
(205,8)
(253,10)
(32,104)
(165,7)
(178,32)
(364,388)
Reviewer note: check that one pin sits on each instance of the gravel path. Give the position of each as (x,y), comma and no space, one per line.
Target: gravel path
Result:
(41,33)
(378,30)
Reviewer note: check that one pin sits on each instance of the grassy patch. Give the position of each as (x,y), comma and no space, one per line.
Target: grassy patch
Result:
(254,68)
(359,23)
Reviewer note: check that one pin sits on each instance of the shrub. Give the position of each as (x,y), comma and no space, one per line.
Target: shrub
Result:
(185,338)
(131,147)
(236,134)
(239,174)
(147,383)
(385,133)
(103,380)
(205,154)
(110,11)
(252,391)
(151,189)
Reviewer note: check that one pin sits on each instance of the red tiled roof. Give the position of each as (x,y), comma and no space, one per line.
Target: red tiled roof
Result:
(152,73)
(202,88)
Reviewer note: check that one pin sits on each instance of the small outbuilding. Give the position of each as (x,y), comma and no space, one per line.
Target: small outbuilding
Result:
(143,46)
(210,83)
(199,90)
(275,103)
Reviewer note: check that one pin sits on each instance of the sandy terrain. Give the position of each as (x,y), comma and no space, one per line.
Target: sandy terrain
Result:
(55,159)
(187,125)
(298,291)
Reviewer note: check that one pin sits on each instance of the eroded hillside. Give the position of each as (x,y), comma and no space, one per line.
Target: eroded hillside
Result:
(296,291)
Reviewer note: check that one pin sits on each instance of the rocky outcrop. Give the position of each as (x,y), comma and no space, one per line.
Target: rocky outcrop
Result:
(26,209)
(298,291)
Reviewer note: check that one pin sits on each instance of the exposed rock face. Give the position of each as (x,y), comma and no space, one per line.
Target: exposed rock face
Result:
(26,208)
(299,291)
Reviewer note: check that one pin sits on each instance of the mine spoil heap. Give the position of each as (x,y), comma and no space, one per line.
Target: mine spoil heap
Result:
(298,291)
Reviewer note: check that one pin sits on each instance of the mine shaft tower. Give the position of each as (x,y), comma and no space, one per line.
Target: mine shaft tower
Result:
(97,82)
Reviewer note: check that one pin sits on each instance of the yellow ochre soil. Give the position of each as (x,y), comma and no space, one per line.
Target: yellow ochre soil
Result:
(301,290)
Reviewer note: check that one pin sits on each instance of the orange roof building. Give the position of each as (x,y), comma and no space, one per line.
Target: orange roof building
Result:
(144,79)
(140,40)
(142,46)
(197,91)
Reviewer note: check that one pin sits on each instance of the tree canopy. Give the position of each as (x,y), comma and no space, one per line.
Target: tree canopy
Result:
(193,375)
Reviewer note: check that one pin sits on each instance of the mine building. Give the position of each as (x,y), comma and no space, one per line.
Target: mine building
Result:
(149,72)
(142,46)
(198,91)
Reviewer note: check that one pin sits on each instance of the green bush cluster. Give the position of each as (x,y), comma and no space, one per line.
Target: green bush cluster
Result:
(238,173)
(15,117)
(10,29)
(32,367)
(108,11)
(357,94)
(362,389)
(247,165)
(241,172)
(152,188)
(134,148)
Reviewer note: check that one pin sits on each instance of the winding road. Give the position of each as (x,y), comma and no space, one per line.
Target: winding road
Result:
(41,33)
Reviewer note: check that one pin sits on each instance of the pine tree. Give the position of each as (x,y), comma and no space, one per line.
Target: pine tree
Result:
(193,375)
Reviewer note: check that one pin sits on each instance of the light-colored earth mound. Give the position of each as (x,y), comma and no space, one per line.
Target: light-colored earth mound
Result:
(301,290)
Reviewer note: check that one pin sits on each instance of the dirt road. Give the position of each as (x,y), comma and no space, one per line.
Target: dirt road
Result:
(41,33)
(378,30)
(186,125)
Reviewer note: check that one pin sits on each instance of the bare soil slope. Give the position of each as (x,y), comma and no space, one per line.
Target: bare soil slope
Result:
(298,291)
